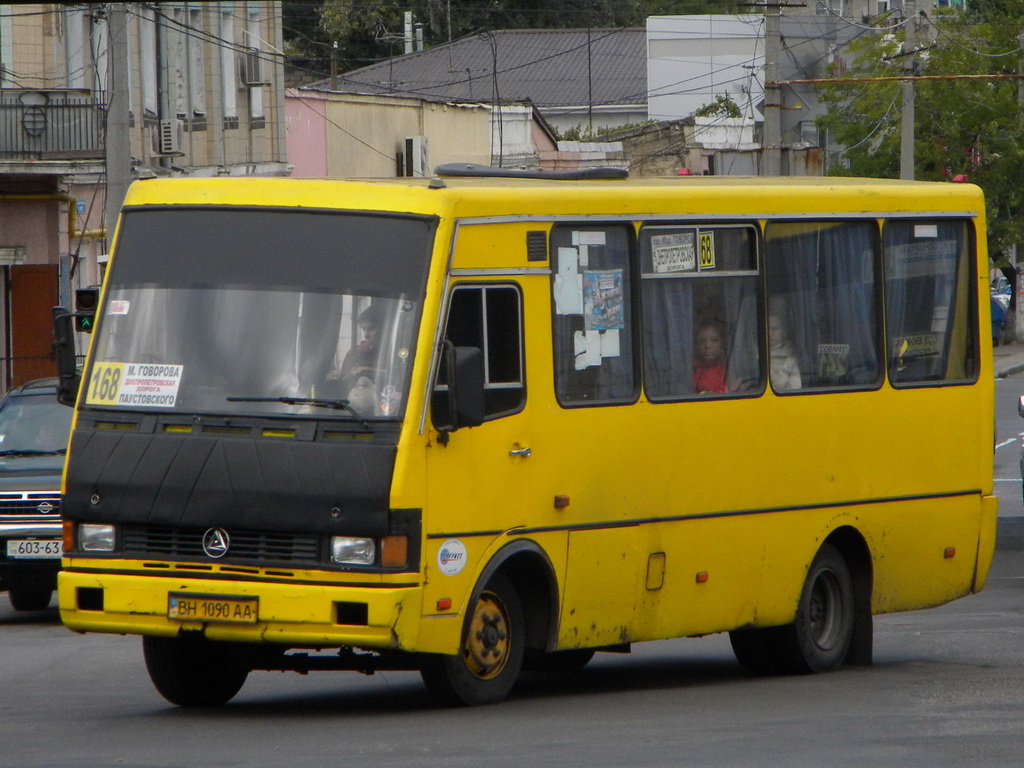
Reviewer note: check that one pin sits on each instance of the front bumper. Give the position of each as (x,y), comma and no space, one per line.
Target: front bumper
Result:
(290,614)
(28,567)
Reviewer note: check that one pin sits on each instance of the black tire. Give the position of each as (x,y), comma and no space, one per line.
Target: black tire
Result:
(193,672)
(761,651)
(819,639)
(492,651)
(30,597)
(557,661)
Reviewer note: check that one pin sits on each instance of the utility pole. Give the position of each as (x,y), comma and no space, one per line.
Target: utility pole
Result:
(119,148)
(907,119)
(771,132)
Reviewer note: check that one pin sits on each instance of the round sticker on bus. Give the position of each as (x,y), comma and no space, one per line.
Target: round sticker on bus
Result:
(451,557)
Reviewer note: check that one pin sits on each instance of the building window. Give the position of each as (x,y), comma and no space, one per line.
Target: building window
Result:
(196,69)
(228,66)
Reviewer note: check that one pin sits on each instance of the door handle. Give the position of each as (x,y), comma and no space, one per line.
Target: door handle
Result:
(524,452)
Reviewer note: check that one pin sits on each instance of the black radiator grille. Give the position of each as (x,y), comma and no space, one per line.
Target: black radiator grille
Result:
(244,545)
(29,505)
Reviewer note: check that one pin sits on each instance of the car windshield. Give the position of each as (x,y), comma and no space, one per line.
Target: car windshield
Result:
(34,424)
(261,312)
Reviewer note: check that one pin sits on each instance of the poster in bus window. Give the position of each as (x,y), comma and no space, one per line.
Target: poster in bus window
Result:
(603,301)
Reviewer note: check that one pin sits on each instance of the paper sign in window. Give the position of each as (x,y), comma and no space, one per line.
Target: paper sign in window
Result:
(568,288)
(674,253)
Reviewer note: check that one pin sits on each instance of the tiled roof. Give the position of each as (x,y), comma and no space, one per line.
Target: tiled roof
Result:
(548,67)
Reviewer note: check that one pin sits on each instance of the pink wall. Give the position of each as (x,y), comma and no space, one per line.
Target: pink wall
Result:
(305,117)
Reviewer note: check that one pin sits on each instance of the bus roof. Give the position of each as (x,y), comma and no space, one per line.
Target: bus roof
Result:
(460,197)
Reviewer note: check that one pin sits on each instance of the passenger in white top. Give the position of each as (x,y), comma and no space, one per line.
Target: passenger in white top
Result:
(785,368)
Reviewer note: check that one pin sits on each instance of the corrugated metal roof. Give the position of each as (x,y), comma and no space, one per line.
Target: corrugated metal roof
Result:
(551,68)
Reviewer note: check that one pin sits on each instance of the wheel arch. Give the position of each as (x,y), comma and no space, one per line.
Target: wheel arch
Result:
(526,565)
(855,551)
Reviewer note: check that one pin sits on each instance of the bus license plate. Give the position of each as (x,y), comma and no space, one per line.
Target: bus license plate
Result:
(30,549)
(231,610)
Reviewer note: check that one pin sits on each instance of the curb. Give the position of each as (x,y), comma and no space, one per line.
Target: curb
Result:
(1010,370)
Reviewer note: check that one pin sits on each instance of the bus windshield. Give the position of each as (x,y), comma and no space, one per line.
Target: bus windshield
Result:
(229,311)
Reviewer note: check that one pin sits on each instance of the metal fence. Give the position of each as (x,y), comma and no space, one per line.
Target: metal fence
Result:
(35,124)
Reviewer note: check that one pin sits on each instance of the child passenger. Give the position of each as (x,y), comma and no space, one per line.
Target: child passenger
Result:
(785,368)
(709,360)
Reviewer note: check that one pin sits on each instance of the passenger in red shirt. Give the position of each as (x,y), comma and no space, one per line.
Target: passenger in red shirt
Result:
(709,360)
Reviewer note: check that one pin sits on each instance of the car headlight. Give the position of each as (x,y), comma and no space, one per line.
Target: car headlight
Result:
(349,550)
(96,538)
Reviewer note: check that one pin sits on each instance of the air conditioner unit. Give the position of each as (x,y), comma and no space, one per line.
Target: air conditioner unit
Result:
(168,138)
(252,68)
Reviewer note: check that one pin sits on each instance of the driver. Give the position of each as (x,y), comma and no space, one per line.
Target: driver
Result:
(361,365)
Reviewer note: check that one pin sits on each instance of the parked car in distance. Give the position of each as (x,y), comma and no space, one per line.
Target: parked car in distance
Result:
(34,431)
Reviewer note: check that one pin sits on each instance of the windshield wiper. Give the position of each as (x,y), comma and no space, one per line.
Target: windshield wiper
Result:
(32,452)
(338,405)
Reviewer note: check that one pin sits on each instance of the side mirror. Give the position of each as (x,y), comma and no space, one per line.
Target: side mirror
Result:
(68,376)
(465,369)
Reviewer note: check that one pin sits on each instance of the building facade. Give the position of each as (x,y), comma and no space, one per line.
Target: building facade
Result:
(204,89)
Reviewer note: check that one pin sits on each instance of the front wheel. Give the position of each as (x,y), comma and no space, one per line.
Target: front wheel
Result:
(488,664)
(820,636)
(30,597)
(193,672)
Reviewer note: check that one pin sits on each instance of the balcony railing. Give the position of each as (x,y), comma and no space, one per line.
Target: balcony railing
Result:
(43,125)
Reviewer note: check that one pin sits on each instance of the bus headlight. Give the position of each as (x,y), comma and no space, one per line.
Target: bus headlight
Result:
(349,550)
(96,538)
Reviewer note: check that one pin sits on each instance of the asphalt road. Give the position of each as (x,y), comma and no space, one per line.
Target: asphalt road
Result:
(947,689)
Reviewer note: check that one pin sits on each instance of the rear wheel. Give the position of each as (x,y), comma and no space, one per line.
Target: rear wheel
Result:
(819,638)
(486,668)
(193,672)
(30,597)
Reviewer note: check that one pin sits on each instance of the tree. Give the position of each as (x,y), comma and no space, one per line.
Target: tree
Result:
(369,30)
(964,126)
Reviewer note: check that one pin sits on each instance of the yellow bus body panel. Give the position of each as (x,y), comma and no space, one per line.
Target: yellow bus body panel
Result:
(681,518)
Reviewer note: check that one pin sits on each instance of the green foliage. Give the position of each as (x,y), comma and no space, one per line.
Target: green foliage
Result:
(722,106)
(963,126)
(579,133)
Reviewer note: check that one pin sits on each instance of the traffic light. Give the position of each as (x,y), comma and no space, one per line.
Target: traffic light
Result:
(86,300)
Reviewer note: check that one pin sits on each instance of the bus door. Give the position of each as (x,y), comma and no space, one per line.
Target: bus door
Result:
(477,478)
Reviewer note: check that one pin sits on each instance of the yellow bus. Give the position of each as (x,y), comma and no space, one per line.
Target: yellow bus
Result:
(492,421)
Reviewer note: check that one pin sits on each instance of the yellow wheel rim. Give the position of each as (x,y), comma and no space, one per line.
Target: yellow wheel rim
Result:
(487,643)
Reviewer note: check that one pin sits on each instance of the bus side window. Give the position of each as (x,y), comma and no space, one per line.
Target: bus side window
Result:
(823,292)
(490,318)
(592,321)
(930,308)
(700,297)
